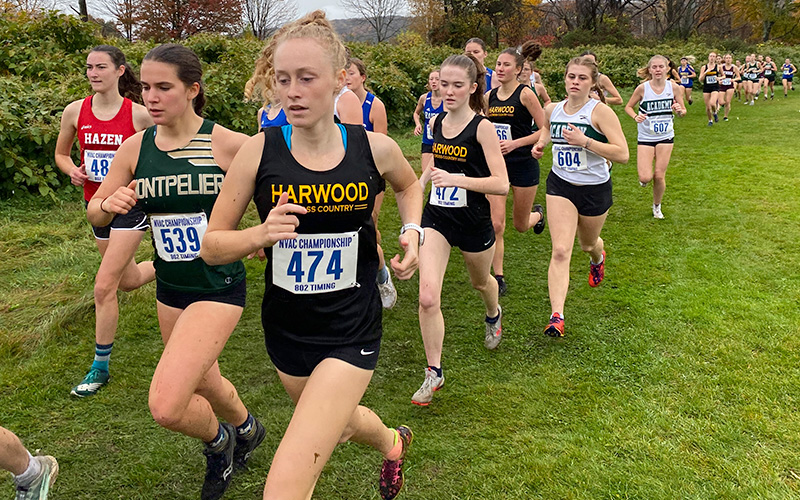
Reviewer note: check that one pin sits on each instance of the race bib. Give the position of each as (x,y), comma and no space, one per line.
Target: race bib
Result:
(726,81)
(97,163)
(684,80)
(429,127)
(178,236)
(503,131)
(711,79)
(316,263)
(449,197)
(767,72)
(787,72)
(569,158)
(660,127)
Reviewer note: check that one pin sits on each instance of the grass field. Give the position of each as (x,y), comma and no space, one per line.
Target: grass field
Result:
(677,379)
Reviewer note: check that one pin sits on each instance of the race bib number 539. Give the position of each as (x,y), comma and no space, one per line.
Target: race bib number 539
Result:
(316,263)
(177,237)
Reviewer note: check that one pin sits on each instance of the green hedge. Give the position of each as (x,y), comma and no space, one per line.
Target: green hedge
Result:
(42,70)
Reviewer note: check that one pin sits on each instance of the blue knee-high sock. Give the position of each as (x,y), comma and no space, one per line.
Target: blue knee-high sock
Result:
(102,354)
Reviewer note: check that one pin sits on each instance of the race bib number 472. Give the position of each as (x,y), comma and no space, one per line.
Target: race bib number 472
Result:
(316,263)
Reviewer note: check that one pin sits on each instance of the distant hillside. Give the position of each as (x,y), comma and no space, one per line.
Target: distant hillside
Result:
(359,30)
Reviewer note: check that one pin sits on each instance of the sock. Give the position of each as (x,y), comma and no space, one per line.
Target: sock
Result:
(436,370)
(217,443)
(397,449)
(602,258)
(31,473)
(559,315)
(383,275)
(247,428)
(102,354)
(492,321)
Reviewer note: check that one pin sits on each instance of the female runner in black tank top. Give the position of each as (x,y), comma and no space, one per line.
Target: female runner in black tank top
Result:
(468,164)
(321,310)
(511,107)
(709,75)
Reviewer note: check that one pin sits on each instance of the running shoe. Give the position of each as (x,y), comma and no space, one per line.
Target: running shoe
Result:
(657,212)
(219,467)
(40,487)
(539,226)
(432,383)
(597,271)
(726,118)
(710,123)
(388,293)
(690,102)
(494,331)
(772,97)
(716,118)
(245,446)
(502,286)
(392,478)
(556,326)
(91,383)
(643,184)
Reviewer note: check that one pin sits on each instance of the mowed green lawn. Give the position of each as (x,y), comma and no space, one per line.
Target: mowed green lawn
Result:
(678,377)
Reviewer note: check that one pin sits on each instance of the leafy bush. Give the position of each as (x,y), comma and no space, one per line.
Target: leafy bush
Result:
(42,60)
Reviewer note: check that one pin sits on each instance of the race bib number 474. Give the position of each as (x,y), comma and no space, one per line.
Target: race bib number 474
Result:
(316,263)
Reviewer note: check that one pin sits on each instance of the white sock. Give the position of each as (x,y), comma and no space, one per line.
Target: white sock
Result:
(31,473)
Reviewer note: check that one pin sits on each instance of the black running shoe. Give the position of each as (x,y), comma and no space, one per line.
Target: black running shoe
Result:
(245,446)
(539,226)
(219,467)
(502,286)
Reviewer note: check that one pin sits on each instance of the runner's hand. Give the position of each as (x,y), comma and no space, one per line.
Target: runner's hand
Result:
(281,224)
(404,269)
(78,176)
(121,201)
(442,178)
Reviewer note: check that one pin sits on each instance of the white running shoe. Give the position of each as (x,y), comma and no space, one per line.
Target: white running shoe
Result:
(388,293)
(432,383)
(657,212)
(494,331)
(40,487)
(643,184)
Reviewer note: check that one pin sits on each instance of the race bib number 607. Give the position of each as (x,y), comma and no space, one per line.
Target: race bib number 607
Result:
(316,263)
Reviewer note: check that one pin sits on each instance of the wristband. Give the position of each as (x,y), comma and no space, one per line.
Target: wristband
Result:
(101,205)
(415,227)
(588,141)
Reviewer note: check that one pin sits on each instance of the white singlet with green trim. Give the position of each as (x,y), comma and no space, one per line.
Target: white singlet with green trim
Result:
(576,164)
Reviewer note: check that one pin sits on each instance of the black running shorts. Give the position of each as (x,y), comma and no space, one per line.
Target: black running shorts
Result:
(591,200)
(299,360)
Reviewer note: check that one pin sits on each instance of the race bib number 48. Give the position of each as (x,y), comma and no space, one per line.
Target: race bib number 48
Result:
(316,263)
(178,236)
(569,158)
(503,131)
(97,163)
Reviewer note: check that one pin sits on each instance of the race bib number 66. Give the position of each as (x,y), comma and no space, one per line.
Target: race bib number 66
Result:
(316,263)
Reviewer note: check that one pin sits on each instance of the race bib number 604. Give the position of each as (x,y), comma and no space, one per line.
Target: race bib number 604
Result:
(178,236)
(316,263)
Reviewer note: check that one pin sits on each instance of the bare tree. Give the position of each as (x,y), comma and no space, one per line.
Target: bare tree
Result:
(266,16)
(31,5)
(382,15)
(125,14)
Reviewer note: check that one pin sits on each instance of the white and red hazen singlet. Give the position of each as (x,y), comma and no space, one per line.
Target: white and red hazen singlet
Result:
(99,141)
